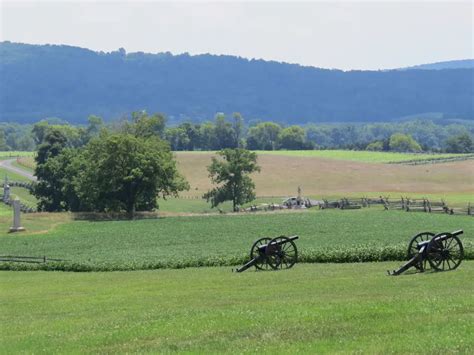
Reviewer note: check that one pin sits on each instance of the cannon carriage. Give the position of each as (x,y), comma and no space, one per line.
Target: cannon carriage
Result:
(272,254)
(439,252)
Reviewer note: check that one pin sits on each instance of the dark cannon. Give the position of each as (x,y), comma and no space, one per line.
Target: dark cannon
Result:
(272,254)
(440,252)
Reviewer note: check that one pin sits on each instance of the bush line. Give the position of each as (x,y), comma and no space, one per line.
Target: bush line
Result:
(328,255)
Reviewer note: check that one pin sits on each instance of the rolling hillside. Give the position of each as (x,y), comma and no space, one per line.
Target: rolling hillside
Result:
(450,64)
(39,81)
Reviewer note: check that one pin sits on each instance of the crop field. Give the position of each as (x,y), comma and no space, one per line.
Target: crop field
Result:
(320,177)
(175,242)
(317,308)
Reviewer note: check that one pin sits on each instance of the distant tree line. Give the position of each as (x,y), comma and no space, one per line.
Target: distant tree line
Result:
(232,132)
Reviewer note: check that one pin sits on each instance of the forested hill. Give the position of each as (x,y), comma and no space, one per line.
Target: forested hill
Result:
(451,64)
(71,83)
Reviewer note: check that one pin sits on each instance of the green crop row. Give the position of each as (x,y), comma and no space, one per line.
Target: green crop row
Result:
(359,253)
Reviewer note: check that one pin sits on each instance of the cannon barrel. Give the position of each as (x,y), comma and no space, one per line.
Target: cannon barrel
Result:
(440,237)
(263,247)
(447,235)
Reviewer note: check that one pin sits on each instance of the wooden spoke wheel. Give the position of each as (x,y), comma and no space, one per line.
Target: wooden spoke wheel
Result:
(281,253)
(445,253)
(413,249)
(257,252)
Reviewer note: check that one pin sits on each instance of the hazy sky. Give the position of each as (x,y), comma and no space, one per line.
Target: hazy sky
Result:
(329,34)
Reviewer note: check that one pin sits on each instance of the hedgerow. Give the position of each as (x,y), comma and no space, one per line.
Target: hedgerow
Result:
(354,254)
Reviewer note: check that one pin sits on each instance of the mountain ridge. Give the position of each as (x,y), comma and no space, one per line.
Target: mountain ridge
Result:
(448,64)
(69,82)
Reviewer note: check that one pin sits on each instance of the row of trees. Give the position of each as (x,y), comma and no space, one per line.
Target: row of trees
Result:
(232,132)
(412,136)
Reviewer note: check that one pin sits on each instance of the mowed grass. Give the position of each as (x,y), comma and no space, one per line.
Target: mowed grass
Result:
(176,242)
(12,176)
(361,156)
(199,205)
(36,223)
(318,308)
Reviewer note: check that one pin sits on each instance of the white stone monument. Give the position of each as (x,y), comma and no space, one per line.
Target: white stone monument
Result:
(16,217)
(6,193)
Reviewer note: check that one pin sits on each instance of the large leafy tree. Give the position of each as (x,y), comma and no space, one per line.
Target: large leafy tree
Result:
(400,142)
(460,144)
(293,138)
(263,136)
(144,125)
(123,172)
(49,172)
(230,172)
(224,133)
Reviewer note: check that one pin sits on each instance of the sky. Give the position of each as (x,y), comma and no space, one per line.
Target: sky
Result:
(329,34)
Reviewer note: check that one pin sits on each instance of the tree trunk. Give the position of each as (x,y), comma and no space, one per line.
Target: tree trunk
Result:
(131,203)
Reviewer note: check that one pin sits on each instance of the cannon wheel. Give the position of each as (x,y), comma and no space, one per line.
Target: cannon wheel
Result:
(446,254)
(262,264)
(413,250)
(281,253)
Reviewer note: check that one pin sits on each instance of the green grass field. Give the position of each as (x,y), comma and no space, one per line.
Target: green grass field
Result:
(12,176)
(175,242)
(361,156)
(318,308)
(23,194)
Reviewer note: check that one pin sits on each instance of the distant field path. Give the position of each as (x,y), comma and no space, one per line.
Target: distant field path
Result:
(8,165)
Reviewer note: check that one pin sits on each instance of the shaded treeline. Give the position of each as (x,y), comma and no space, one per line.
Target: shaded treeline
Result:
(230,132)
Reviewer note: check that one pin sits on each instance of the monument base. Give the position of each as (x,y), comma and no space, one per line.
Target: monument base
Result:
(19,229)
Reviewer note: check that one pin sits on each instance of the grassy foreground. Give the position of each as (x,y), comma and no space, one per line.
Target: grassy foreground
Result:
(323,308)
(325,236)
